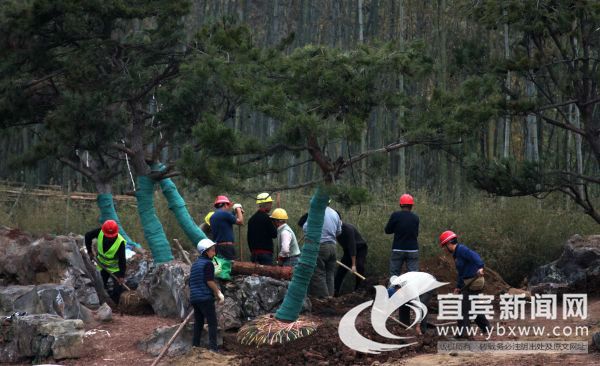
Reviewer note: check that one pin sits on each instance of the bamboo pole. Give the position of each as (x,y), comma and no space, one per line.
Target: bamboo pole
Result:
(183,253)
(166,347)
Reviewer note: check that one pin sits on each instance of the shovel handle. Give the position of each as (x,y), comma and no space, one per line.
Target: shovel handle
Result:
(111,274)
(350,269)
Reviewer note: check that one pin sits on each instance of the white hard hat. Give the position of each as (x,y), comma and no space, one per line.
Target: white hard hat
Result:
(393,280)
(204,245)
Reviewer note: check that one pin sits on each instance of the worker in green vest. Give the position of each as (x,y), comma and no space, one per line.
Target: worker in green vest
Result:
(109,255)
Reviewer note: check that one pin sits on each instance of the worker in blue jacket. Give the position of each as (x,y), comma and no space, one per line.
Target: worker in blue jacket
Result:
(470,280)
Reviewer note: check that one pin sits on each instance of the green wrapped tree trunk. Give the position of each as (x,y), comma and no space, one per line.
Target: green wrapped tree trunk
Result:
(298,288)
(107,212)
(153,230)
(179,208)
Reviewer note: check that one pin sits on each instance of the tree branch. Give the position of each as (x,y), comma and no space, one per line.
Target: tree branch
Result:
(562,125)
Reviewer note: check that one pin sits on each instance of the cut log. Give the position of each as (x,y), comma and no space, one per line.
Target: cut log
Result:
(249,268)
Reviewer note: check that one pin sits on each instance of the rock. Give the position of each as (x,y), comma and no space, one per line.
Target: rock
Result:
(247,297)
(596,340)
(86,314)
(137,268)
(181,345)
(165,288)
(518,291)
(104,313)
(41,299)
(50,259)
(36,337)
(577,269)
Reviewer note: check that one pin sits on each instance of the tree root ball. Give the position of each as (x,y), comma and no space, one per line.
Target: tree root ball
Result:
(268,330)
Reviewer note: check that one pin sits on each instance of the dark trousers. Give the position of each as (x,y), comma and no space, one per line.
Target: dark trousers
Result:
(404,311)
(481,321)
(265,259)
(117,290)
(205,310)
(340,273)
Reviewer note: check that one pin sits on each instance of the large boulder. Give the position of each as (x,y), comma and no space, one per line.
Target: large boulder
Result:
(165,288)
(181,345)
(48,298)
(247,297)
(37,337)
(577,269)
(25,260)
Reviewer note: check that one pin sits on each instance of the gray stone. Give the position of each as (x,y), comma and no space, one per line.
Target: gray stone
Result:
(577,269)
(104,313)
(181,345)
(247,297)
(596,340)
(25,260)
(36,337)
(41,299)
(165,288)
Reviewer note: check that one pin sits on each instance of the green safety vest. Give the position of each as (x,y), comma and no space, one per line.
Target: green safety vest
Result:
(108,259)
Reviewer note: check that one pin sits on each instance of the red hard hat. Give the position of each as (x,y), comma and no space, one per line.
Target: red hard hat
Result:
(406,199)
(222,199)
(110,228)
(446,236)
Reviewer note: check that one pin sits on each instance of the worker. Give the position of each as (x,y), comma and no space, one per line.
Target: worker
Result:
(355,255)
(322,284)
(404,224)
(205,226)
(289,250)
(203,293)
(470,280)
(261,231)
(109,255)
(221,224)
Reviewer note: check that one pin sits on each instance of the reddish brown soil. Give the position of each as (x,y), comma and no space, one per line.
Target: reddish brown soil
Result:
(119,348)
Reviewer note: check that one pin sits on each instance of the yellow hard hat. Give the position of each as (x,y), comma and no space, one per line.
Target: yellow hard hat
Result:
(279,214)
(207,217)
(263,198)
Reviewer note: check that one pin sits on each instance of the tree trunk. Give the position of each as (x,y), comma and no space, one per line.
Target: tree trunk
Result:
(249,268)
(298,288)
(153,229)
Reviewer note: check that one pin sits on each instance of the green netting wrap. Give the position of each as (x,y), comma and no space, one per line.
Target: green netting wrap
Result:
(294,298)
(179,209)
(108,212)
(153,230)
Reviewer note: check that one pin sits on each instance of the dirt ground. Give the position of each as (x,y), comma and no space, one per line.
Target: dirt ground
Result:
(324,347)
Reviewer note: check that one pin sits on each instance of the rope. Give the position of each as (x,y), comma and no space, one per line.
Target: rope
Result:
(129,168)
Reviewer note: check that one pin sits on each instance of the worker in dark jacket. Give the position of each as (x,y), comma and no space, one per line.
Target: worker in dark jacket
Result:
(109,254)
(470,280)
(404,224)
(203,292)
(355,255)
(261,231)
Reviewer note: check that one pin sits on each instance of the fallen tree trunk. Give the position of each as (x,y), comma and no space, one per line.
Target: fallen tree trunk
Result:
(249,268)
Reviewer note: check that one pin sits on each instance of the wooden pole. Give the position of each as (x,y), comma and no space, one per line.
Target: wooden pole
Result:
(350,269)
(240,241)
(166,347)
(183,253)
(111,274)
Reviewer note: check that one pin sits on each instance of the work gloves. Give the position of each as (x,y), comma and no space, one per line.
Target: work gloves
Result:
(238,205)
(221,298)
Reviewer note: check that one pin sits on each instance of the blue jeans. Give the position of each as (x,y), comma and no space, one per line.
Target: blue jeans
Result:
(290,261)
(397,260)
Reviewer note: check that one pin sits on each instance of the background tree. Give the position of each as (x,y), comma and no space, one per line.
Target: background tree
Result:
(556,57)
